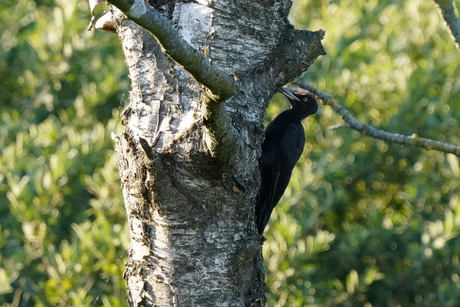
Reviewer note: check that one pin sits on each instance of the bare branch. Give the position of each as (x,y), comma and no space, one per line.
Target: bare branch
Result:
(448,13)
(220,83)
(412,140)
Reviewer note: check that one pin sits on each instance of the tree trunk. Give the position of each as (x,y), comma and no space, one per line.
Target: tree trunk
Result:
(188,159)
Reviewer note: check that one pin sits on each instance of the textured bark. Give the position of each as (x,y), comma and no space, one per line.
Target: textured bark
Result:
(188,161)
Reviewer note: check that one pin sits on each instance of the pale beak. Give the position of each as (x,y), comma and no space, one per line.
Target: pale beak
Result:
(289,94)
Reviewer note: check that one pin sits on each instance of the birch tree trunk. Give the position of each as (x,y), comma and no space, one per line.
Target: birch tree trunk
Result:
(188,156)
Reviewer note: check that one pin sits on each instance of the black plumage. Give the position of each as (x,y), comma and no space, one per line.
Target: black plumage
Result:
(281,149)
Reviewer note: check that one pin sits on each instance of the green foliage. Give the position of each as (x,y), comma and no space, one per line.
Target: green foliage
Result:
(363,222)
(63,237)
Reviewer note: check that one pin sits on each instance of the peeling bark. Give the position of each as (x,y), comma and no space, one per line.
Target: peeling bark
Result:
(188,159)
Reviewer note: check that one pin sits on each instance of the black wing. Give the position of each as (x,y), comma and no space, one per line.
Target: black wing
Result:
(281,150)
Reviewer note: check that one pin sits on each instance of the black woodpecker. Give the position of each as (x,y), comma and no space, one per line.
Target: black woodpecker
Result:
(281,149)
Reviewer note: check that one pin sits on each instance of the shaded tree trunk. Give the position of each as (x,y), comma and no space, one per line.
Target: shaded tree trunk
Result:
(188,158)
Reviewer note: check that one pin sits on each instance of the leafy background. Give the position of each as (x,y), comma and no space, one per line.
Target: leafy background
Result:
(363,222)
(63,236)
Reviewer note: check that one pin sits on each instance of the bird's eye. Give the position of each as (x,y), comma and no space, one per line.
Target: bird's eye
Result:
(305,99)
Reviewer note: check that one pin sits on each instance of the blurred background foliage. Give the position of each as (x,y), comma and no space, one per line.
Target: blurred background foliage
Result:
(363,222)
(63,239)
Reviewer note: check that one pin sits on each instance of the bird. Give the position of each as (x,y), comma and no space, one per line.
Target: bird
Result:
(281,149)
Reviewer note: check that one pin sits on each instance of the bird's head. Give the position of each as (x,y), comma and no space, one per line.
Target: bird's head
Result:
(304,103)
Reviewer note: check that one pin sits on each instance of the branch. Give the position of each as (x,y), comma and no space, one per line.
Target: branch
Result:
(413,140)
(220,83)
(448,13)
(295,54)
